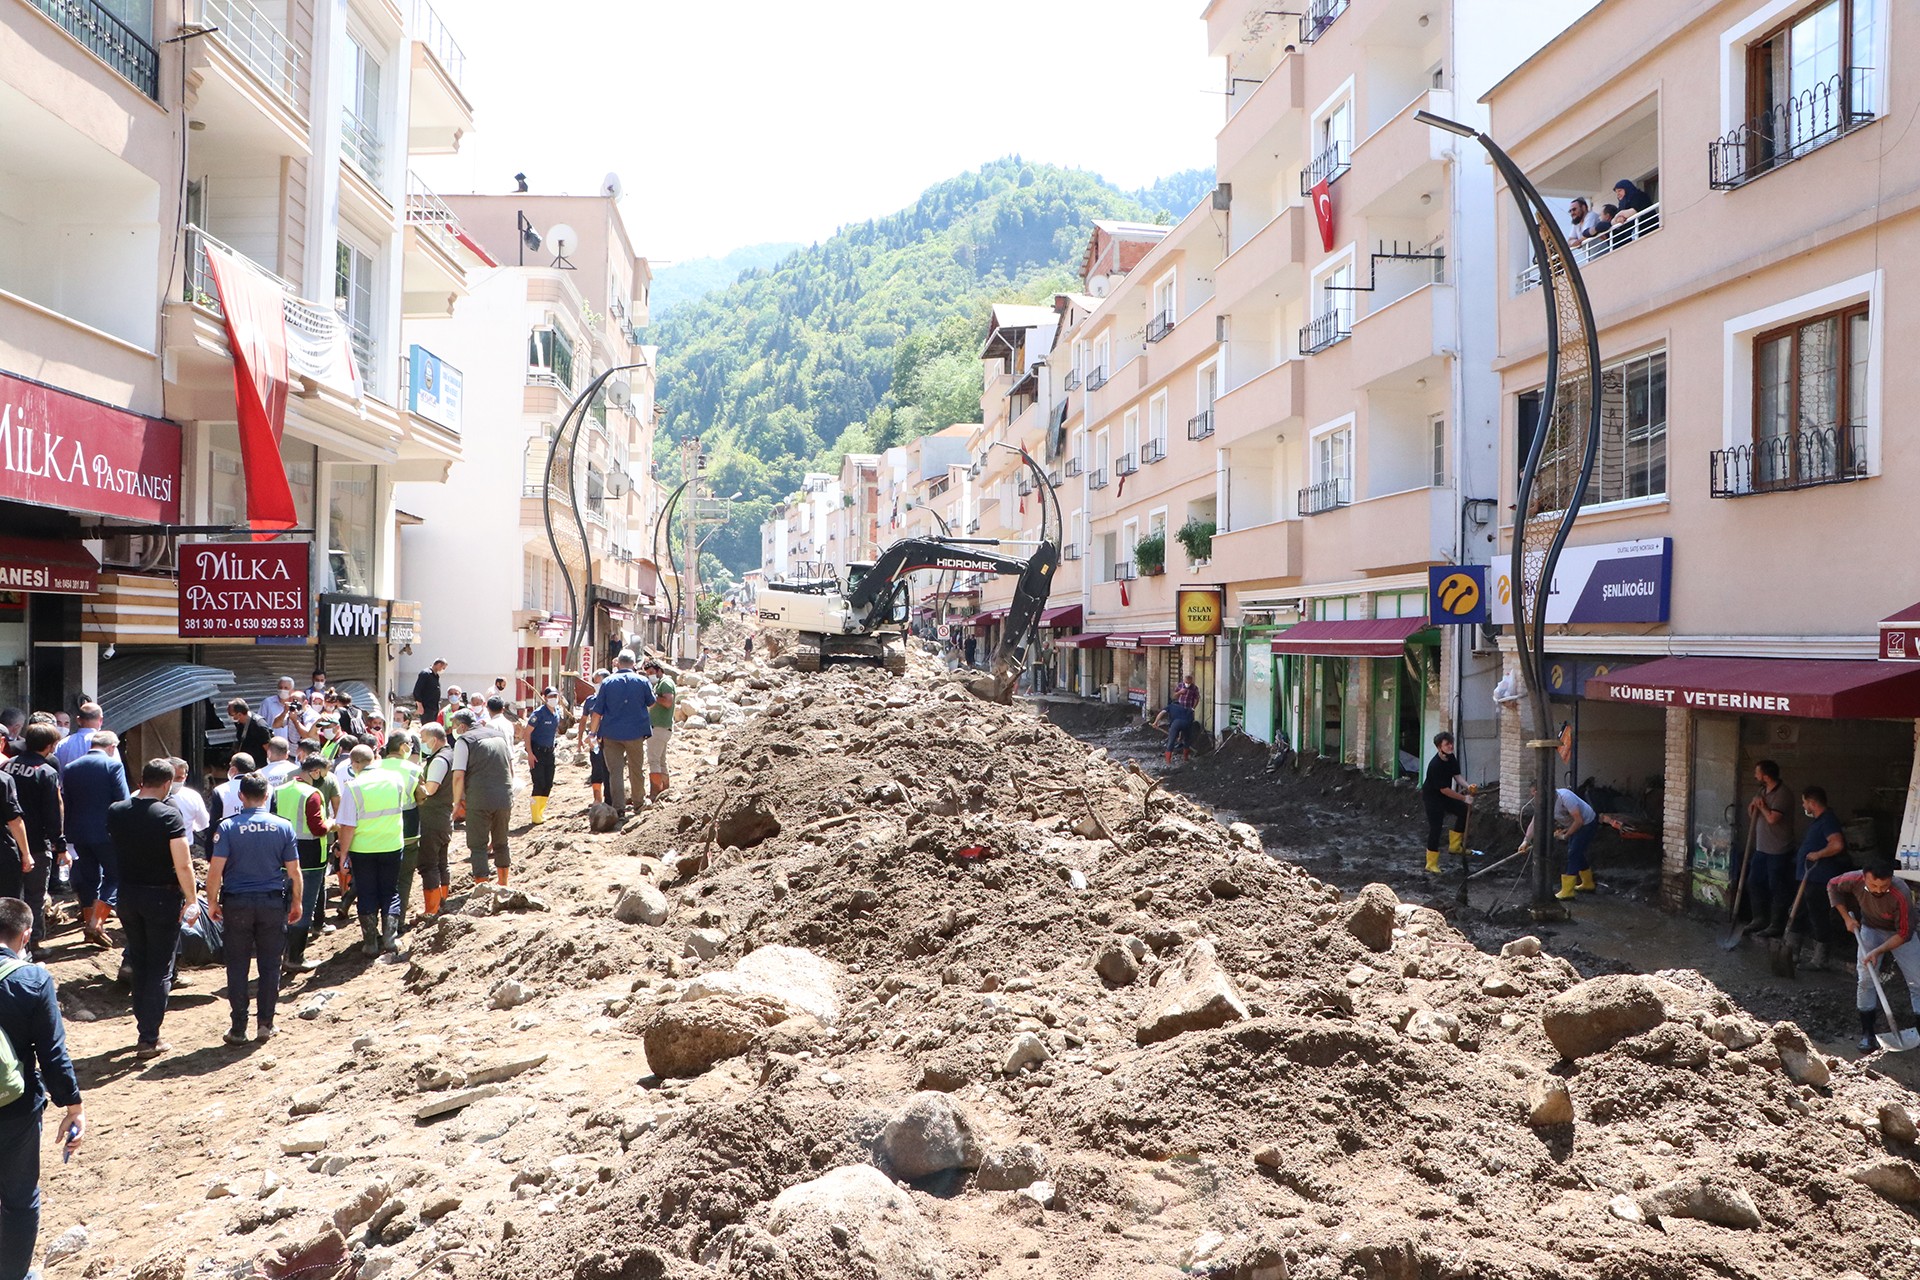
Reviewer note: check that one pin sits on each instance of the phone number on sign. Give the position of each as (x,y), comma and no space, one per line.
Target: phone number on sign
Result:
(268,626)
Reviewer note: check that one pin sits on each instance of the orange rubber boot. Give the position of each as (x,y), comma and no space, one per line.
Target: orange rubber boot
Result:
(500,876)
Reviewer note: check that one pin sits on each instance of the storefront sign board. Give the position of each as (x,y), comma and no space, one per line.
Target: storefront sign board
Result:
(251,589)
(1615,582)
(48,567)
(434,390)
(353,618)
(1457,594)
(61,450)
(1199,611)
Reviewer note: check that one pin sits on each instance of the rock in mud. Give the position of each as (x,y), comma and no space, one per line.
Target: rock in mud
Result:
(1600,1012)
(1896,1122)
(855,1212)
(689,1037)
(1527,946)
(1548,1102)
(704,944)
(168,1262)
(603,818)
(1011,1168)
(1371,917)
(1798,1059)
(1026,1050)
(1892,1178)
(1193,994)
(320,1257)
(307,1137)
(641,904)
(797,979)
(750,823)
(929,1135)
(1710,1197)
(1115,964)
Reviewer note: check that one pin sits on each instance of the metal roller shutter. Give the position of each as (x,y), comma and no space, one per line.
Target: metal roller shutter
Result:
(257,669)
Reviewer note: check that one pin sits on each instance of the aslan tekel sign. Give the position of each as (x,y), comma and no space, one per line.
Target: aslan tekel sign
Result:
(248,589)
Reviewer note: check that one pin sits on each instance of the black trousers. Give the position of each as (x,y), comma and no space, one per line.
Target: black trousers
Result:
(541,762)
(1816,915)
(150,913)
(1439,808)
(253,927)
(1771,885)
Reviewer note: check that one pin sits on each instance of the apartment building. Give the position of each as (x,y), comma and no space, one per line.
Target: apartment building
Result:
(566,306)
(183,181)
(1749,469)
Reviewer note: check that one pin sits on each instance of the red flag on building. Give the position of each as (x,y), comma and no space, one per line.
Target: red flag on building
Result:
(1323,211)
(256,317)
(1124,602)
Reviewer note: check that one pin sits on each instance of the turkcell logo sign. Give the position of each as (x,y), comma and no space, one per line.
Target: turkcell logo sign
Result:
(1456,594)
(1617,582)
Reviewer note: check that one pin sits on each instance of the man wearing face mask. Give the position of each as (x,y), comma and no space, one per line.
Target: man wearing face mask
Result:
(540,730)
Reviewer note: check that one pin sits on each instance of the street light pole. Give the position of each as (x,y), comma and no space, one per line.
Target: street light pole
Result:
(1550,490)
(690,586)
(567,440)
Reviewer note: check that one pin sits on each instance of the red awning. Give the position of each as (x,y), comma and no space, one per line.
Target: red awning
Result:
(1159,639)
(1359,638)
(987,617)
(1123,640)
(1061,616)
(47,566)
(1085,640)
(1812,688)
(1900,636)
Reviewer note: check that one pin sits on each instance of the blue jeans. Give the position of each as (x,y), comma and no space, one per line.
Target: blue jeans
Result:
(1179,728)
(1577,848)
(96,872)
(253,926)
(151,916)
(19,1185)
(313,896)
(376,883)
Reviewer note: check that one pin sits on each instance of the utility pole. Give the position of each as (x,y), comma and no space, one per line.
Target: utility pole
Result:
(693,463)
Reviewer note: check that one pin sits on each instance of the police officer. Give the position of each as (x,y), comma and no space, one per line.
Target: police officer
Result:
(398,761)
(300,802)
(436,817)
(373,835)
(254,858)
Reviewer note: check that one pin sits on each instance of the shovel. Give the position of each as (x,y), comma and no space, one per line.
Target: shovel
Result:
(1894,1041)
(1734,935)
(1786,951)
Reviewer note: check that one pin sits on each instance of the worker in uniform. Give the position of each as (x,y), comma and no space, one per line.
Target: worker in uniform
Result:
(300,801)
(254,892)
(435,812)
(538,732)
(483,794)
(397,761)
(372,834)
(1443,795)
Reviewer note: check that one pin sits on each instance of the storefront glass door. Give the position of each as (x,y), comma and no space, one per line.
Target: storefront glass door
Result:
(1259,689)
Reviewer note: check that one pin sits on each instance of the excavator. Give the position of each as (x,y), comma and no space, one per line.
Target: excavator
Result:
(864,620)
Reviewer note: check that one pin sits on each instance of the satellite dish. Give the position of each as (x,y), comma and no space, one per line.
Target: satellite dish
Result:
(611,186)
(564,240)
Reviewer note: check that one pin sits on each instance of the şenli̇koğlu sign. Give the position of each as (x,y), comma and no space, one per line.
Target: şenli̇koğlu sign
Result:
(243,589)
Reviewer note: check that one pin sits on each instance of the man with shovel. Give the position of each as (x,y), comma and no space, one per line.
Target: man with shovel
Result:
(1878,912)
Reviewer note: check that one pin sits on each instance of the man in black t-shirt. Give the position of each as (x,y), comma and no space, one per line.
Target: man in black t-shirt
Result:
(157,894)
(1444,796)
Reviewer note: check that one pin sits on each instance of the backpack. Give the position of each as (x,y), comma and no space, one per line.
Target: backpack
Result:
(13,1084)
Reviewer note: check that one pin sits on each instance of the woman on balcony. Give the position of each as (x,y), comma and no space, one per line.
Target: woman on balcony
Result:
(1632,201)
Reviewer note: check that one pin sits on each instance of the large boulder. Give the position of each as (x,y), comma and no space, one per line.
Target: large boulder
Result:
(798,980)
(1370,919)
(929,1135)
(687,1038)
(1192,994)
(856,1212)
(1600,1012)
(642,904)
(1709,1197)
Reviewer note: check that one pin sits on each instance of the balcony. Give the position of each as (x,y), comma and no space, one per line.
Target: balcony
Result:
(1328,495)
(1319,16)
(260,46)
(438,255)
(1097,478)
(1816,456)
(1263,265)
(1153,451)
(1258,553)
(440,114)
(1263,127)
(108,39)
(1124,465)
(1073,380)
(1070,552)
(1266,403)
(1596,247)
(1388,534)
(1097,379)
(361,144)
(973,526)
(1329,166)
(1160,326)
(1789,130)
(1400,162)
(1075,467)
(1054,478)
(1407,339)
(1324,331)
(1124,571)
(199,289)
(1200,425)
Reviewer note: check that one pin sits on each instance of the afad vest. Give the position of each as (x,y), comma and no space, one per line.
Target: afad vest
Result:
(409,775)
(376,801)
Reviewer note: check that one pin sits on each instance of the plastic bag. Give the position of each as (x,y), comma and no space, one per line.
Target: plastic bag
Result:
(200,943)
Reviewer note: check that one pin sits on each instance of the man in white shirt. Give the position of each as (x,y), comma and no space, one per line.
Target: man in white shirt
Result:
(279,767)
(274,705)
(193,809)
(226,796)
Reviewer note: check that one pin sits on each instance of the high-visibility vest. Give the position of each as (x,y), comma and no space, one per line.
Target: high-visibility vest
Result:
(409,775)
(290,802)
(377,827)
(331,748)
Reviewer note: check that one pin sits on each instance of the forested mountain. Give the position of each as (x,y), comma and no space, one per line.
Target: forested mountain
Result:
(678,283)
(871,337)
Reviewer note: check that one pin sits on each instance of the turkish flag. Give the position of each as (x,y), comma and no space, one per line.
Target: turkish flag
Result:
(1323,211)
(256,317)
(1124,601)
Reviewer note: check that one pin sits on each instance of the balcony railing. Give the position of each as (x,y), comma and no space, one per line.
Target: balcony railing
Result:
(1318,17)
(1097,478)
(1328,495)
(1152,451)
(259,43)
(1816,456)
(1328,165)
(1123,571)
(200,290)
(1054,478)
(1070,552)
(1023,486)
(1324,331)
(1200,425)
(1073,380)
(361,341)
(426,208)
(1097,379)
(1802,124)
(1644,224)
(1160,326)
(973,526)
(1075,467)
(360,142)
(108,39)
(1124,465)
(430,31)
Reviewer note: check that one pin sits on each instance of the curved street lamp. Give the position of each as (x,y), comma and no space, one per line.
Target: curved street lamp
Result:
(1551,487)
(567,440)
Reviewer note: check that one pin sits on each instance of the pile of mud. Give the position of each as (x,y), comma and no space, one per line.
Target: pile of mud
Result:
(928,989)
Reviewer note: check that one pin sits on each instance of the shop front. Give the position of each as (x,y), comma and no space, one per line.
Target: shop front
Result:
(1084,662)
(352,630)
(1845,725)
(1367,690)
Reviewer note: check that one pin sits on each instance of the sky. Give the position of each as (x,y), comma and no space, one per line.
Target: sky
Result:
(735,122)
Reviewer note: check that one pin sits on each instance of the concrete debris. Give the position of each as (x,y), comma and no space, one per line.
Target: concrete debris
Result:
(1522,947)
(689,1037)
(1891,1177)
(1896,1122)
(310,1135)
(1193,994)
(448,1103)
(641,904)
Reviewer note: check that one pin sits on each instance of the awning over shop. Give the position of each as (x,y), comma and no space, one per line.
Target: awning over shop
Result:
(47,565)
(1812,688)
(987,617)
(1085,640)
(1123,640)
(1900,636)
(134,690)
(1357,638)
(1061,616)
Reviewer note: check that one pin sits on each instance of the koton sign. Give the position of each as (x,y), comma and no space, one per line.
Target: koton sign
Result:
(62,450)
(251,589)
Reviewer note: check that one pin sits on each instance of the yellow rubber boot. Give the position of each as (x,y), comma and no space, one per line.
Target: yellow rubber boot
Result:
(1567,884)
(539,810)
(1456,842)
(1585,881)
(1433,861)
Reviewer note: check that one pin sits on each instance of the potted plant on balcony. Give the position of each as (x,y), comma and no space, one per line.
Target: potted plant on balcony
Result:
(1196,535)
(1150,554)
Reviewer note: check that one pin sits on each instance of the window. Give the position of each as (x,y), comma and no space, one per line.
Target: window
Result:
(360,116)
(1810,400)
(1332,146)
(532,591)
(1129,439)
(550,351)
(1157,425)
(1332,464)
(1109,555)
(353,295)
(1160,323)
(1632,459)
(1809,81)
(1333,310)
(1437,425)
(350,529)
